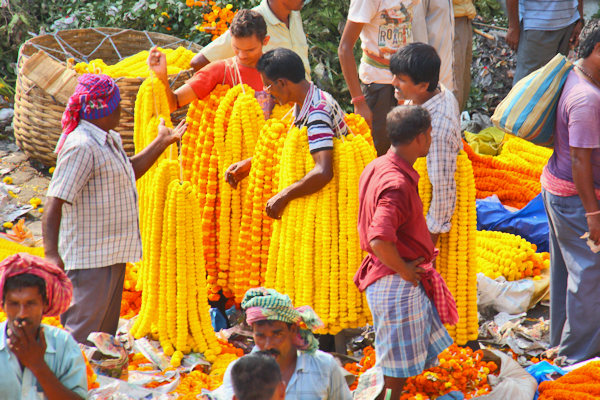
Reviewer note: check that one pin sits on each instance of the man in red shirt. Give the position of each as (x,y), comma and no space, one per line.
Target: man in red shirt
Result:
(392,229)
(249,35)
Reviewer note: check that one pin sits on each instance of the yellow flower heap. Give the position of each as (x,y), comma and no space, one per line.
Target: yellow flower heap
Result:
(135,66)
(172,275)
(457,261)
(314,249)
(508,255)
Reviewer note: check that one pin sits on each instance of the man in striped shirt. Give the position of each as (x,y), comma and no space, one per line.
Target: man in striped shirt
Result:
(283,75)
(540,29)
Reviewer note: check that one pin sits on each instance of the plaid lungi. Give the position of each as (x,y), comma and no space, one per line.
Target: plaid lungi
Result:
(408,332)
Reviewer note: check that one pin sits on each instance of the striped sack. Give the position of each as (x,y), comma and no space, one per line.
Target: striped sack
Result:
(529,110)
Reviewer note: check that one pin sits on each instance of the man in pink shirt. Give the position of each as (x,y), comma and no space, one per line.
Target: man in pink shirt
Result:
(392,230)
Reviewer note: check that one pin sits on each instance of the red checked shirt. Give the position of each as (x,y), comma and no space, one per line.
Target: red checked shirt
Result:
(390,209)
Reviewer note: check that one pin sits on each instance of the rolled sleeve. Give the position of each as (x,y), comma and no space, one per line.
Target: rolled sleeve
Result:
(441,167)
(389,215)
(219,49)
(73,170)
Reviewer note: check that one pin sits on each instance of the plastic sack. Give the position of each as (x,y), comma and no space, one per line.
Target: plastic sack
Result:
(513,383)
(487,141)
(531,222)
(529,109)
(512,297)
(541,371)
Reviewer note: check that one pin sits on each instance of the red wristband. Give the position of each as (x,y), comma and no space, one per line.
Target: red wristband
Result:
(357,99)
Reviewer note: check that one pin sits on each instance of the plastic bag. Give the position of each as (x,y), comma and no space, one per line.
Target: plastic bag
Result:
(541,372)
(513,383)
(531,222)
(512,297)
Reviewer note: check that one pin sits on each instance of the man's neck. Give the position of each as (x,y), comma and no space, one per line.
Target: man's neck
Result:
(425,97)
(591,69)
(99,124)
(406,153)
(288,365)
(300,96)
(282,13)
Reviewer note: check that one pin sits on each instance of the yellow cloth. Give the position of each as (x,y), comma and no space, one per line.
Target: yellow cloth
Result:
(280,36)
(488,141)
(464,8)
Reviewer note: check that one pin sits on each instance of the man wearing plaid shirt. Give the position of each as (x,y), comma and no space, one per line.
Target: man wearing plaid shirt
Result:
(416,70)
(91,226)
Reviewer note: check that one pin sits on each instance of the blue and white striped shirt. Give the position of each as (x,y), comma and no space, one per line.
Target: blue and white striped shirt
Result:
(547,15)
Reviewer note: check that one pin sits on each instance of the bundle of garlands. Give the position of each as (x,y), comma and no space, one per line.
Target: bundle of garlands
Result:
(580,384)
(457,262)
(513,175)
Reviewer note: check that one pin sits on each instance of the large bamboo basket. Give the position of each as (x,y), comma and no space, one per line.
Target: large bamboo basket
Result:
(37,116)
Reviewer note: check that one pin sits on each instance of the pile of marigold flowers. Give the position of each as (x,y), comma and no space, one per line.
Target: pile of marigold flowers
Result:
(359,368)
(217,20)
(514,175)
(508,255)
(580,384)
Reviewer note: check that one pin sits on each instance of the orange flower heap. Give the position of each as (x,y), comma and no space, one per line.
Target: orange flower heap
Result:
(580,384)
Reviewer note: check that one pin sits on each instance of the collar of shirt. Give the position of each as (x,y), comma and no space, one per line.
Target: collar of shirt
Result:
(303,113)
(3,325)
(403,165)
(99,135)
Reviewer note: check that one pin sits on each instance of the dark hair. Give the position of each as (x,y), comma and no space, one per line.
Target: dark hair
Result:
(247,23)
(404,123)
(255,377)
(589,42)
(281,63)
(420,62)
(24,281)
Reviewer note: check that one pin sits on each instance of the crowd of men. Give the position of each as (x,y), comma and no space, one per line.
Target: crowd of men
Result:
(414,53)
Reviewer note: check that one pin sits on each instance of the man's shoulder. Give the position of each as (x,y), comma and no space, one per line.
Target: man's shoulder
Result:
(578,91)
(58,335)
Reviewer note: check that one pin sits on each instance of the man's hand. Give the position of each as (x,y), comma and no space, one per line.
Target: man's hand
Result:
(574,40)
(276,205)
(512,37)
(170,136)
(412,273)
(157,62)
(363,109)
(29,351)
(594,228)
(55,259)
(237,172)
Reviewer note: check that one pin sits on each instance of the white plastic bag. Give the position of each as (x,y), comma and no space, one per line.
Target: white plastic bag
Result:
(513,383)
(504,296)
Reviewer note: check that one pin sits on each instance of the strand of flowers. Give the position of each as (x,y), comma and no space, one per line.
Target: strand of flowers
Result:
(135,66)
(457,259)
(581,383)
(508,255)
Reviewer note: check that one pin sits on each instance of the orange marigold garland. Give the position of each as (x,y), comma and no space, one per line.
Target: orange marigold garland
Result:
(580,384)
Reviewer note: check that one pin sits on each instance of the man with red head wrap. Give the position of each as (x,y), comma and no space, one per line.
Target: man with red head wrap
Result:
(38,361)
(90,225)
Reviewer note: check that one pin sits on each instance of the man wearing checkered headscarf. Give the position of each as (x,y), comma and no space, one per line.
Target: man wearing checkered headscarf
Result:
(38,360)
(286,333)
(92,202)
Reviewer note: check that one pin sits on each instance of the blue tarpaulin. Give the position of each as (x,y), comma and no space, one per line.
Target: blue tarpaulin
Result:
(531,222)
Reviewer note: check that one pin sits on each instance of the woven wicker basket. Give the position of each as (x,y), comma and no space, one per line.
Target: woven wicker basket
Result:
(37,116)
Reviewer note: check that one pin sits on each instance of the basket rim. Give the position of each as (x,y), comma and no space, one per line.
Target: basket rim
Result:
(29,47)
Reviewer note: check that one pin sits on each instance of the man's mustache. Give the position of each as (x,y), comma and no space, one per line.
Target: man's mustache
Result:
(272,352)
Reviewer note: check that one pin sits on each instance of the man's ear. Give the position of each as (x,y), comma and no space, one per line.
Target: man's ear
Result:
(280,391)
(423,87)
(266,40)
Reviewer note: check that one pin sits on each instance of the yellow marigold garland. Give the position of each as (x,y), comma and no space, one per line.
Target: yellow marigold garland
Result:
(508,255)
(321,275)
(457,261)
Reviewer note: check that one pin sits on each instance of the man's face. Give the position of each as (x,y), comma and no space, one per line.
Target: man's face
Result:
(248,49)
(406,89)
(24,305)
(275,338)
(115,117)
(277,89)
